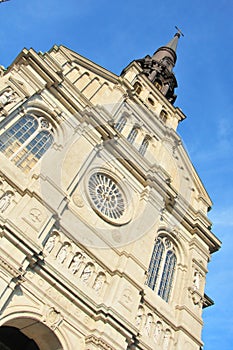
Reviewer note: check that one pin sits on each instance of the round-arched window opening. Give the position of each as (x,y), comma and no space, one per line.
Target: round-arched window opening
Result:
(137,87)
(151,101)
(158,84)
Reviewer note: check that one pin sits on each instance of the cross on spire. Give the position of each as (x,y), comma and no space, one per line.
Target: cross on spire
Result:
(179,32)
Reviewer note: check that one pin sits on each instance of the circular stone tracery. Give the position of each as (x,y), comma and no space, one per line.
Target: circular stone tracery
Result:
(106,196)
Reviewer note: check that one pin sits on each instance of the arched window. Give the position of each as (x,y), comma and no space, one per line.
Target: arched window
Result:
(158,84)
(132,135)
(162,267)
(121,124)
(137,87)
(144,146)
(163,116)
(151,101)
(155,263)
(25,142)
(167,276)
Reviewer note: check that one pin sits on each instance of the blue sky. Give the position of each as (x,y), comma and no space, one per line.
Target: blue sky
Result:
(113,33)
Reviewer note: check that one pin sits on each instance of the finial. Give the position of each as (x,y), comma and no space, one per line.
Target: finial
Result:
(179,32)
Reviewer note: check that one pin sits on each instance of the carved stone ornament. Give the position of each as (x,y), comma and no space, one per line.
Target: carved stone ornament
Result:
(7,96)
(35,215)
(10,269)
(196,280)
(197,298)
(87,272)
(53,318)
(78,201)
(50,243)
(100,343)
(139,317)
(5,200)
(62,254)
(76,263)
(99,282)
(126,298)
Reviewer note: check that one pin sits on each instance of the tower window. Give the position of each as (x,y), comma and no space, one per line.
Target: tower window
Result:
(25,142)
(158,84)
(137,87)
(144,146)
(163,116)
(121,124)
(151,101)
(132,135)
(162,268)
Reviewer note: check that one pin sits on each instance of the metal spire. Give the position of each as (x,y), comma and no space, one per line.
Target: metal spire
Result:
(174,42)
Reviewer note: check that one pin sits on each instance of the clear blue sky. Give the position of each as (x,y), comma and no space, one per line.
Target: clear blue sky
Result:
(113,33)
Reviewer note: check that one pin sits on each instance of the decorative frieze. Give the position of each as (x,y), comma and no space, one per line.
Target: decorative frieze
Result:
(153,329)
(76,262)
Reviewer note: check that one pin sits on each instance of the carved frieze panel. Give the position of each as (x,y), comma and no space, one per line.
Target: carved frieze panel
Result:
(74,261)
(153,329)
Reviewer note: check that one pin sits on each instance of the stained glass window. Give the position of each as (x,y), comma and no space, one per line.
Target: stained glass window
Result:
(25,142)
(106,196)
(162,268)
(155,263)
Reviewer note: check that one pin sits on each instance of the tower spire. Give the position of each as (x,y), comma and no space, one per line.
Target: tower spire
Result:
(159,67)
(172,44)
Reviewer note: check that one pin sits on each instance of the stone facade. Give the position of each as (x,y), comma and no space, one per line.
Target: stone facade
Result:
(79,217)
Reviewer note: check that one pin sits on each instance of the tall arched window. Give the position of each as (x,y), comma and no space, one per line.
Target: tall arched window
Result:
(25,142)
(162,267)
(155,263)
(121,124)
(144,146)
(132,135)
(167,276)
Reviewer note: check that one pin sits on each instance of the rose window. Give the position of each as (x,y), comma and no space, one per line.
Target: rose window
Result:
(107,197)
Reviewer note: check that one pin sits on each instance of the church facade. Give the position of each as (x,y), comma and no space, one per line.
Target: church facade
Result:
(105,238)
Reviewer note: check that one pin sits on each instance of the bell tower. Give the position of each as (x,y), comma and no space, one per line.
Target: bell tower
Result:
(159,67)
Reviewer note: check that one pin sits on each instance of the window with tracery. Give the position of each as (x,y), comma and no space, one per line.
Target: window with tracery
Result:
(132,135)
(162,267)
(144,146)
(121,124)
(25,142)
(106,196)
